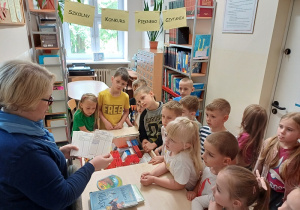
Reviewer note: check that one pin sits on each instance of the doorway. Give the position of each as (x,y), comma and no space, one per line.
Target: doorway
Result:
(287,91)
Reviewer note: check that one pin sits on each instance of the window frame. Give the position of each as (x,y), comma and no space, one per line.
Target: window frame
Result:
(95,38)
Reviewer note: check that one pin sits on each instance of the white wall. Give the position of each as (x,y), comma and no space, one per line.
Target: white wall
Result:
(243,66)
(13,43)
(135,38)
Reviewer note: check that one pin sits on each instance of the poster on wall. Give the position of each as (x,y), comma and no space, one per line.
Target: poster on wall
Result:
(239,16)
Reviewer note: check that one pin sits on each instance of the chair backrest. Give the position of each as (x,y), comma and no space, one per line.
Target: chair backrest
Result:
(72,105)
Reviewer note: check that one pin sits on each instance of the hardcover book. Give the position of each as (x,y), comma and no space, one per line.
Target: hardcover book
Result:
(116,198)
(202,43)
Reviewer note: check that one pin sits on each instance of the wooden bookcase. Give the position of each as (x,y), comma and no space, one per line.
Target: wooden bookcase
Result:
(149,67)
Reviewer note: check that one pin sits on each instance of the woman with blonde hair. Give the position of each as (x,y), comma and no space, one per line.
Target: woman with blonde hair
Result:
(33,171)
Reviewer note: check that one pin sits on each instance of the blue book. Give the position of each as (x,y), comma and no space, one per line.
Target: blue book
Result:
(201,48)
(116,198)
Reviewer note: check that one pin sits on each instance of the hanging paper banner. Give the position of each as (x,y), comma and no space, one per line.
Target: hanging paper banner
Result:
(147,21)
(174,18)
(114,19)
(78,13)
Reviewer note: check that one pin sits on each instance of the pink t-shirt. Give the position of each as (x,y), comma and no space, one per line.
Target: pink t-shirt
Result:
(242,140)
(273,177)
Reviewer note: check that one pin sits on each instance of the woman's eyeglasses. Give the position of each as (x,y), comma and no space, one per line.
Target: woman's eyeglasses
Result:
(50,100)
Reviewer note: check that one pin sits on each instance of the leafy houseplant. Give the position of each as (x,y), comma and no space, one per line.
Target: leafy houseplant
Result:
(152,35)
(49,4)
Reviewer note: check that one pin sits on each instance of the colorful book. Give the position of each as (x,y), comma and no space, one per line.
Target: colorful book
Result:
(116,198)
(111,181)
(201,48)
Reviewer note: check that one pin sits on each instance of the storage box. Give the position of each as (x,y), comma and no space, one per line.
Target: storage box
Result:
(48,40)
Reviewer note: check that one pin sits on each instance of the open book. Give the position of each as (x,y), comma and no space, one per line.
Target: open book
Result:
(116,198)
(91,144)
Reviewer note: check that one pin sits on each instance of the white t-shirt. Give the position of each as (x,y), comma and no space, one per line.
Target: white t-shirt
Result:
(163,136)
(205,193)
(182,168)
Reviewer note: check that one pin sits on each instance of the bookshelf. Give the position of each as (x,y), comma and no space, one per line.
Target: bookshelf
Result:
(191,59)
(45,33)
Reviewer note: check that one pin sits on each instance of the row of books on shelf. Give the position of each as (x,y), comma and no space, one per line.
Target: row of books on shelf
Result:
(190,7)
(180,36)
(172,79)
(180,60)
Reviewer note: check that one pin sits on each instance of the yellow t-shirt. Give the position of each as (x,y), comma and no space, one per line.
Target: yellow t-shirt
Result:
(112,107)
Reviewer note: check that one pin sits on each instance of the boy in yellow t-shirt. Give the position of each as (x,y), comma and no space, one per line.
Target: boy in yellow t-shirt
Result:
(113,103)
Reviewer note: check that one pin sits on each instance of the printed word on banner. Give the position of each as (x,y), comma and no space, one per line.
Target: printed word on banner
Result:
(78,13)
(114,19)
(174,18)
(147,21)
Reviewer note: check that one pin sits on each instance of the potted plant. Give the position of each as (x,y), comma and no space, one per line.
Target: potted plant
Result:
(152,35)
(49,4)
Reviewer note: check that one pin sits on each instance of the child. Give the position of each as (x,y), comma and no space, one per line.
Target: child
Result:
(217,113)
(169,112)
(250,139)
(221,149)
(137,114)
(186,88)
(279,160)
(84,117)
(292,201)
(114,103)
(238,189)
(150,120)
(190,105)
(182,157)
(132,102)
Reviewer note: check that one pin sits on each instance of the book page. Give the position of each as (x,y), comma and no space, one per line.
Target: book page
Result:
(91,144)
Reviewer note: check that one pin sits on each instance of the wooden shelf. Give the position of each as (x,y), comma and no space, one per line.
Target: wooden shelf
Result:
(46,48)
(168,90)
(186,46)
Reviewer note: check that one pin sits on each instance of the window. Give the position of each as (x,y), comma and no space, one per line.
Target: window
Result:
(82,41)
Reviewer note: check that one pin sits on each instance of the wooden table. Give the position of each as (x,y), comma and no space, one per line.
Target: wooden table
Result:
(78,88)
(155,197)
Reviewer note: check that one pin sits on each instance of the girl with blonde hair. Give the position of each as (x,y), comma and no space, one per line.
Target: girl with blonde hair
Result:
(181,157)
(85,118)
(279,160)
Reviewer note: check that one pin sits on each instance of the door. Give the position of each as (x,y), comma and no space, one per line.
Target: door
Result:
(287,91)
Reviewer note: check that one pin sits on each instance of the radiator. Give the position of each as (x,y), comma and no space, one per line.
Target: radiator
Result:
(104,75)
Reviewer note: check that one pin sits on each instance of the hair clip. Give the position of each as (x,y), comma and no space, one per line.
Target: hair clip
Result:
(261,181)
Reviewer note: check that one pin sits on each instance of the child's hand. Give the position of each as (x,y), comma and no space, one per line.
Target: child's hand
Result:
(118,126)
(145,174)
(149,146)
(156,160)
(190,195)
(214,206)
(144,143)
(147,180)
(157,151)
(108,125)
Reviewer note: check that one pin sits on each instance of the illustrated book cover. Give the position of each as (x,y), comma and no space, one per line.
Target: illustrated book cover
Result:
(116,198)
(111,181)
(201,49)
